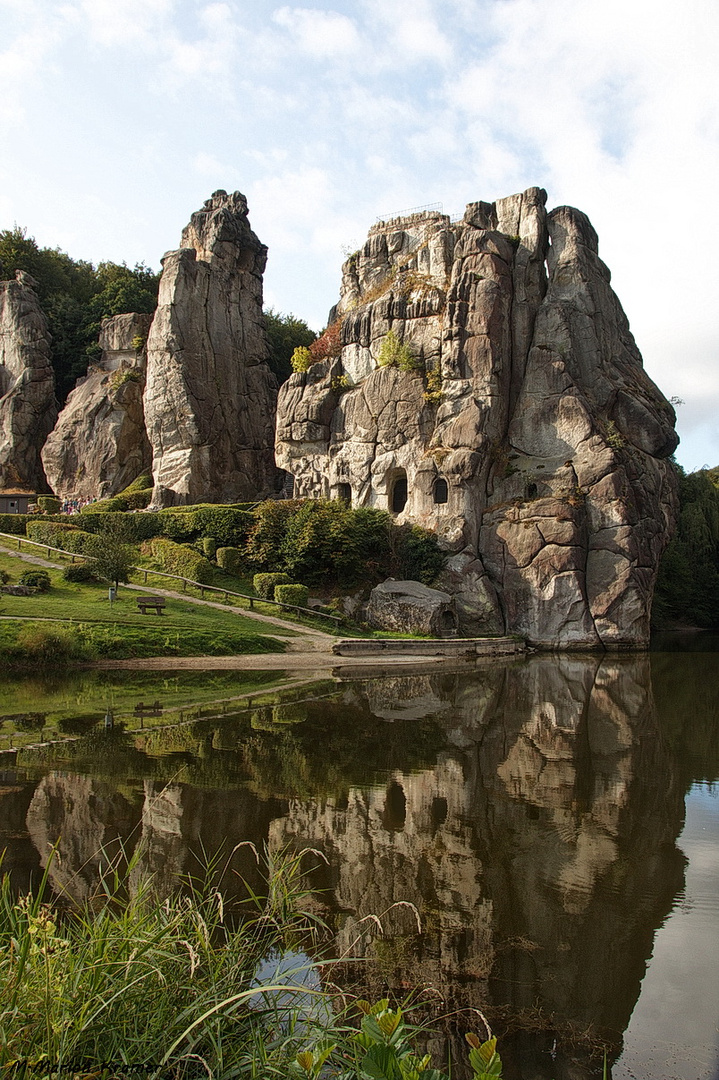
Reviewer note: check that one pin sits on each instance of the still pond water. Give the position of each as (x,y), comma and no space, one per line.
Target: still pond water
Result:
(554,820)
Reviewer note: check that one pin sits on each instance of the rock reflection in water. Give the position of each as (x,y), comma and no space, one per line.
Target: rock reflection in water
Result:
(538,850)
(527,812)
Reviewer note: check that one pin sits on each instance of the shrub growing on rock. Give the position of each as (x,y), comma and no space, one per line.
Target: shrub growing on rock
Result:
(264,584)
(292,595)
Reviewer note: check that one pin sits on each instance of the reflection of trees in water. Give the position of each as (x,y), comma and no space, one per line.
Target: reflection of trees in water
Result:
(528,810)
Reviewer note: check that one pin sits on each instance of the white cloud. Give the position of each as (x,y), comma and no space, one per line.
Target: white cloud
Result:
(319,34)
(113,23)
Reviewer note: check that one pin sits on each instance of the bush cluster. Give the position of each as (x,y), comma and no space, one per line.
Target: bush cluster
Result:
(36,579)
(78,572)
(327,543)
(181,560)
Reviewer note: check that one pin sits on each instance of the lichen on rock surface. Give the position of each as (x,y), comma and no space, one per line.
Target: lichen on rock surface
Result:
(526,432)
(28,408)
(99,444)
(210,395)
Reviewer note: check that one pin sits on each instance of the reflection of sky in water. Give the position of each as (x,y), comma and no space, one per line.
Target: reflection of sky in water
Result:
(291,969)
(674,1030)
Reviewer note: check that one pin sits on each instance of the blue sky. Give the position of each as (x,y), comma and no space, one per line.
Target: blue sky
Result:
(119,118)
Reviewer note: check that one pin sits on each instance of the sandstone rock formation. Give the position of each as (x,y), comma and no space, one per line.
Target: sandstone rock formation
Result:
(210,395)
(99,444)
(28,409)
(408,607)
(512,415)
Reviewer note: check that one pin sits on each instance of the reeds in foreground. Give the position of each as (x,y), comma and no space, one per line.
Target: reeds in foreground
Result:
(134,986)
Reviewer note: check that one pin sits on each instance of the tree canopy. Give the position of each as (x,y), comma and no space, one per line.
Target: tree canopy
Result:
(687,590)
(76,296)
(285,333)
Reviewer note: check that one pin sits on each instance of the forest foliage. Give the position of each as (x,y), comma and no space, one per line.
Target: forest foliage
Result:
(76,296)
(687,590)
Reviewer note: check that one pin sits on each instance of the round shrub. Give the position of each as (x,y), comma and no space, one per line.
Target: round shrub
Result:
(292,595)
(36,579)
(78,572)
(264,584)
(229,559)
(4,577)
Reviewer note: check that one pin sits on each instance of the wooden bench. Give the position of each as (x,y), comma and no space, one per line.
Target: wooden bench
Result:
(151,603)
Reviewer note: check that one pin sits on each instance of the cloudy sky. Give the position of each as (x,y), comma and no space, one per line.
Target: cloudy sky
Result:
(118,118)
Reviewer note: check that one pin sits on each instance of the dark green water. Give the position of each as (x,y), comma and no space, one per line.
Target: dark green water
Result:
(554,821)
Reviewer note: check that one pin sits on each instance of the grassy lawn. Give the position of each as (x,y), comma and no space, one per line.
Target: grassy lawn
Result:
(120,631)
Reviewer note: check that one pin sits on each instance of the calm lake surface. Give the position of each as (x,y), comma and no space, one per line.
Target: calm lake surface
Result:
(554,820)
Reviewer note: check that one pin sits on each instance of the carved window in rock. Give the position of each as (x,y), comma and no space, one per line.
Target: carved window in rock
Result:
(398,494)
(344,493)
(441,491)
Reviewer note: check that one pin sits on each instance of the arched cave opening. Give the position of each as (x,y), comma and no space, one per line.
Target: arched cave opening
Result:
(398,498)
(441,490)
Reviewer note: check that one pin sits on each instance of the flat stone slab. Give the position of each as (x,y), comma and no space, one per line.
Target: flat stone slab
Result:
(459,647)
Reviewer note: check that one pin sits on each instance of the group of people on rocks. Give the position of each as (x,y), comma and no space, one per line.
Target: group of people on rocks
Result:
(74,506)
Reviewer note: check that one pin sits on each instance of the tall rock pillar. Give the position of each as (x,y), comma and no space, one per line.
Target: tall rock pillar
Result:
(28,409)
(210,396)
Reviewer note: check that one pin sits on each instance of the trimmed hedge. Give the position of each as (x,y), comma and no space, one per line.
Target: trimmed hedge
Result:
(59,534)
(49,504)
(15,523)
(229,559)
(181,560)
(209,547)
(295,595)
(264,584)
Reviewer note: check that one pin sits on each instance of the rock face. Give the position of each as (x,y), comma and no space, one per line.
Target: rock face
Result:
(28,409)
(210,395)
(518,423)
(99,444)
(409,607)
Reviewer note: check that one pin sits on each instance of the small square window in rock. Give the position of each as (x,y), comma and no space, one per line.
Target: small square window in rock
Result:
(441,491)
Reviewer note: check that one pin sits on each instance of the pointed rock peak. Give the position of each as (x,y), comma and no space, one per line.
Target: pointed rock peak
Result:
(222,220)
